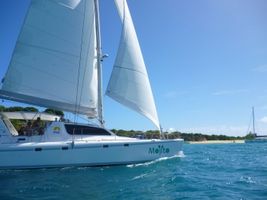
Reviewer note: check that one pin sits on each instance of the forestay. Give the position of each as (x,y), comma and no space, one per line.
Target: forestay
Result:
(54,61)
(129,83)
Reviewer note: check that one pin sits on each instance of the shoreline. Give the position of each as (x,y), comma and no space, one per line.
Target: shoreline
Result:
(217,142)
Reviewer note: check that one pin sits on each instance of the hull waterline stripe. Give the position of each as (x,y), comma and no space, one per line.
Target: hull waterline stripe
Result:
(76,146)
(75,165)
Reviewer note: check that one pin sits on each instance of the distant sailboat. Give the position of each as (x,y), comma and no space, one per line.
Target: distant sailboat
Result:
(257,138)
(253,121)
(57,64)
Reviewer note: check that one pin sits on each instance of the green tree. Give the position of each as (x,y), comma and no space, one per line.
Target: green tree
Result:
(2,108)
(30,109)
(14,109)
(54,112)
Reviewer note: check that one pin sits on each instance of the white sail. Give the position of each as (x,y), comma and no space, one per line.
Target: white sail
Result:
(54,61)
(129,83)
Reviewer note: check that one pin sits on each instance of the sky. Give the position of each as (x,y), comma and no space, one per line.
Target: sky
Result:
(206,60)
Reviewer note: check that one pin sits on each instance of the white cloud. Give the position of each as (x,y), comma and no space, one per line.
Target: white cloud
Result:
(229,92)
(170,94)
(263,120)
(170,130)
(173,94)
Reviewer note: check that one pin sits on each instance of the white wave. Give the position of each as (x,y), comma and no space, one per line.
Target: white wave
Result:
(247,179)
(139,177)
(179,155)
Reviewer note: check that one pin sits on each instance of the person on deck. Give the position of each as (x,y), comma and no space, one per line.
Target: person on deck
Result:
(26,130)
(37,126)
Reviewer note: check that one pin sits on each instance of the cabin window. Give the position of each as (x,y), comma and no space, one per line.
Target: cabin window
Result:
(23,127)
(85,130)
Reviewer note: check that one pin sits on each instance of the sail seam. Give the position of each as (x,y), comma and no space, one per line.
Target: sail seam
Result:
(115,66)
(34,89)
(43,71)
(44,48)
(44,102)
(49,33)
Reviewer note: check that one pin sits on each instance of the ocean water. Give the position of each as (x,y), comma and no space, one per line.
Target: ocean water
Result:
(212,171)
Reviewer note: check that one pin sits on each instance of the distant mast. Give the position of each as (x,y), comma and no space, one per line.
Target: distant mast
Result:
(253,120)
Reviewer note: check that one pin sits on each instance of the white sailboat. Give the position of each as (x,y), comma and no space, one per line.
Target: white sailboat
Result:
(57,64)
(257,138)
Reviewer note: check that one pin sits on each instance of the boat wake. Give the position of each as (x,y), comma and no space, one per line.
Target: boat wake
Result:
(139,177)
(179,155)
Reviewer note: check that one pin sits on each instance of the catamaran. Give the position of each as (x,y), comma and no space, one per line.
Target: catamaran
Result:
(56,64)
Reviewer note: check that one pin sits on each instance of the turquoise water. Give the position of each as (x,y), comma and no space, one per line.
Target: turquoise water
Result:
(219,171)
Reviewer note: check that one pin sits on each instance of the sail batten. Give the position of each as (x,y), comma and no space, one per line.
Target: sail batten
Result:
(129,83)
(54,60)
(130,69)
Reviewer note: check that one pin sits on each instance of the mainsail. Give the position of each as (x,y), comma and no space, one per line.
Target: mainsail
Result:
(54,61)
(129,83)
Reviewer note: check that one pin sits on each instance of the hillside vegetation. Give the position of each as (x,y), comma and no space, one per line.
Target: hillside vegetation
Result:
(153,134)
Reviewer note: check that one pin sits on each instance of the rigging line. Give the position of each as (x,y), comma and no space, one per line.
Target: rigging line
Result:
(79,68)
(250,119)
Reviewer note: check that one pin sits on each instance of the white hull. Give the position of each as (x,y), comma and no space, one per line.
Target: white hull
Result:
(56,147)
(85,153)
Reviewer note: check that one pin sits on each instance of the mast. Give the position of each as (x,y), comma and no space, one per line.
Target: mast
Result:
(99,65)
(253,120)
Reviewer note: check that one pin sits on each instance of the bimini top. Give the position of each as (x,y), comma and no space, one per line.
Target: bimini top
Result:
(30,116)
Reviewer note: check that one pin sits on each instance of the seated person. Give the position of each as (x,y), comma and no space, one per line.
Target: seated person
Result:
(26,130)
(37,126)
